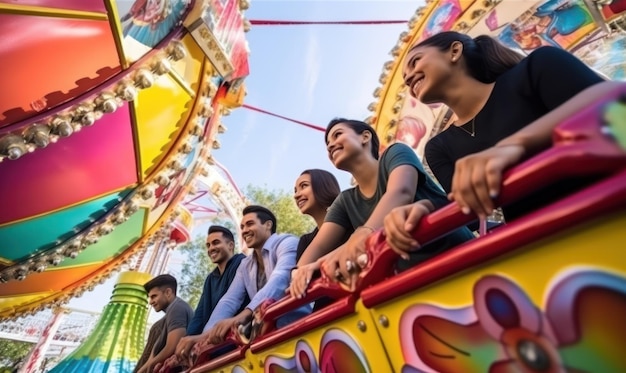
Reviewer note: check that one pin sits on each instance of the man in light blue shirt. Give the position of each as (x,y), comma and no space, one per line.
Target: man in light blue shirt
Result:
(264,274)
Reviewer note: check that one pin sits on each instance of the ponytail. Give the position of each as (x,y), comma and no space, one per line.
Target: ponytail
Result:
(497,58)
(485,57)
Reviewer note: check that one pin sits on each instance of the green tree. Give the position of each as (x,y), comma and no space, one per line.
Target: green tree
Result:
(12,352)
(197,264)
(281,203)
(196,267)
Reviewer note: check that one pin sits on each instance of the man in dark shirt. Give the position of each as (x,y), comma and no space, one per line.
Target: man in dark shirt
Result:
(220,245)
(162,297)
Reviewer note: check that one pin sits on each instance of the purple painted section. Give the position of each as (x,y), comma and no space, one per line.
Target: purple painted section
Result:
(95,161)
(84,5)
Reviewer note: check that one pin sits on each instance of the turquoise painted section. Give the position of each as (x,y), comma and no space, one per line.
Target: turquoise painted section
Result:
(19,240)
(111,245)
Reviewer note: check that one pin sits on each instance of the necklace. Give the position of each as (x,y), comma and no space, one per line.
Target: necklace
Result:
(473,131)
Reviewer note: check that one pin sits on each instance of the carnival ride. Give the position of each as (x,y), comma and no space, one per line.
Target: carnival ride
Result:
(525,297)
(94,164)
(120,114)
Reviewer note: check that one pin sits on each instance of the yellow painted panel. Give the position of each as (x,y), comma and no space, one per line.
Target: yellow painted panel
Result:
(190,67)
(161,113)
(535,270)
(8,302)
(349,344)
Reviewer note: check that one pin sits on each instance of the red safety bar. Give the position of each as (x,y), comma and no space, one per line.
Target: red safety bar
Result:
(343,305)
(207,361)
(600,199)
(582,147)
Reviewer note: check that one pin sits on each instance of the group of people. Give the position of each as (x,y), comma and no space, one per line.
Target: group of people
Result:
(505,107)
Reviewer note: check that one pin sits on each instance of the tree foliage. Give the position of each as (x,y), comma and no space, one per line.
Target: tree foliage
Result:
(196,268)
(12,353)
(281,203)
(197,264)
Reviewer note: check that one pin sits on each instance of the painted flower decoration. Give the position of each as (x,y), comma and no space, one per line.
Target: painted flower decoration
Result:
(581,329)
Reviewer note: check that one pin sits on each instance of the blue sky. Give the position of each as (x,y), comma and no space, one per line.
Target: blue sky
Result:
(312,73)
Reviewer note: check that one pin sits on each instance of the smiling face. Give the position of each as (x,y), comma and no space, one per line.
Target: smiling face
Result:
(254,232)
(304,196)
(219,248)
(344,144)
(427,70)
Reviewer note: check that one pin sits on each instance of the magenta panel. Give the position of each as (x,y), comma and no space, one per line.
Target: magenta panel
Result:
(91,163)
(84,5)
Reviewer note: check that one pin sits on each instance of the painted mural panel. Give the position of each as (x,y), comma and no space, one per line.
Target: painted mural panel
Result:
(559,23)
(145,23)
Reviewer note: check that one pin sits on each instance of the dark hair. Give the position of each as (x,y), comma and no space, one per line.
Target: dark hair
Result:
(485,57)
(325,186)
(358,127)
(225,232)
(162,281)
(262,213)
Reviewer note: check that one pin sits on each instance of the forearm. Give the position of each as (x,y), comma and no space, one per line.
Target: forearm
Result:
(388,202)
(327,239)
(243,316)
(538,134)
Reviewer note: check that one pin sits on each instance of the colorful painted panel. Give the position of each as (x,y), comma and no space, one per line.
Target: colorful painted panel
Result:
(606,54)
(84,5)
(19,240)
(70,172)
(146,23)
(189,68)
(350,344)
(551,312)
(444,16)
(416,121)
(112,244)
(28,297)
(613,10)
(556,22)
(500,16)
(62,58)
(55,281)
(225,22)
(158,129)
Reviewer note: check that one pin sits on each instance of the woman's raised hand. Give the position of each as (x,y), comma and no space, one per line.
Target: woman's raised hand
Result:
(300,279)
(478,177)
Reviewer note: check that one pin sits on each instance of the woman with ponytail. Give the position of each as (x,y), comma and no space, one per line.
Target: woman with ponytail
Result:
(506,107)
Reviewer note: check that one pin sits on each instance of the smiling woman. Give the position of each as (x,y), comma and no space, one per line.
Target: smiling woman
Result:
(382,184)
(314,192)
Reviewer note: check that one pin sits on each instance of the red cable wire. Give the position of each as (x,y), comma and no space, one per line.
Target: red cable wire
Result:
(259,22)
(285,118)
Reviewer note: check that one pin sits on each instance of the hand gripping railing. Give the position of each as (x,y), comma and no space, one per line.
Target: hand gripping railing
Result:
(582,146)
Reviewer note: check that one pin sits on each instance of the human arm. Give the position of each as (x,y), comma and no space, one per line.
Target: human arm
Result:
(478,177)
(173,337)
(278,280)
(232,300)
(401,221)
(197,322)
(399,166)
(220,330)
(327,239)
(184,347)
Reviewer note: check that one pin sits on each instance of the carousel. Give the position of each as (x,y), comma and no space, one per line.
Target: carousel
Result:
(110,109)
(121,112)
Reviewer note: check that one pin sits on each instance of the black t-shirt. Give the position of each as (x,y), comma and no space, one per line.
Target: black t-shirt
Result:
(541,82)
